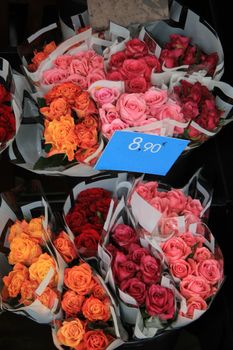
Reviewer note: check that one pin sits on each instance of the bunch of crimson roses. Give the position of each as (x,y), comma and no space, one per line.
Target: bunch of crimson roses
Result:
(7,118)
(138,272)
(86,219)
(180,51)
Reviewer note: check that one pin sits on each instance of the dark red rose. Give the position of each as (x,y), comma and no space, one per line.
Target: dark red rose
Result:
(136,48)
(5,96)
(87,242)
(7,123)
(101,206)
(135,288)
(76,219)
(92,194)
(160,302)
(150,268)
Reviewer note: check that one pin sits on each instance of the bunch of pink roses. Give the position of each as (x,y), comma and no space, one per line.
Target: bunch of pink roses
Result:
(83,68)
(133,65)
(138,273)
(195,268)
(180,51)
(198,104)
(171,204)
(120,111)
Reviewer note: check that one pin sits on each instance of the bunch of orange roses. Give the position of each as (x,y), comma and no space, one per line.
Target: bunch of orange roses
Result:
(32,267)
(71,124)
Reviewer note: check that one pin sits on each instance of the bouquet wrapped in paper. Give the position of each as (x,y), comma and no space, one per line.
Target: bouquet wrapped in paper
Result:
(31,269)
(10,106)
(86,210)
(89,316)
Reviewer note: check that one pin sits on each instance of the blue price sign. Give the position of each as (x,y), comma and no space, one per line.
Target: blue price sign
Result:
(143,153)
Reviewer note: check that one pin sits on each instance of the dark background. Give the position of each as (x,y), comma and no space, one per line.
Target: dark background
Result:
(214,330)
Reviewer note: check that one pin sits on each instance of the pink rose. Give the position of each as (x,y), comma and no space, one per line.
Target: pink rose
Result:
(105,95)
(133,69)
(177,200)
(123,268)
(180,268)
(148,190)
(124,235)
(175,248)
(95,75)
(168,226)
(137,85)
(54,75)
(160,302)
(170,110)
(78,79)
(109,129)
(132,108)
(96,62)
(114,75)
(135,288)
(195,286)
(136,253)
(202,254)
(195,303)
(210,270)
(117,59)
(108,113)
(160,204)
(193,206)
(63,61)
(155,98)
(79,67)
(191,239)
(136,48)
(150,268)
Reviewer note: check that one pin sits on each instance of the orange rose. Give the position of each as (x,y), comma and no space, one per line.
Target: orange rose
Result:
(95,340)
(17,229)
(79,278)
(61,135)
(86,137)
(23,250)
(27,292)
(58,108)
(65,247)
(82,154)
(90,122)
(72,302)
(98,291)
(81,103)
(36,230)
(39,269)
(71,333)
(48,297)
(15,279)
(96,310)
(50,47)
(67,90)
(38,58)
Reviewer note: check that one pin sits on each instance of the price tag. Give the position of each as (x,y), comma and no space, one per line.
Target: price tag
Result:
(143,153)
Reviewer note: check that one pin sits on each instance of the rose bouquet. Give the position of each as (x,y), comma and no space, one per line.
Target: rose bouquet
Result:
(71,127)
(10,111)
(185,42)
(32,271)
(86,210)
(90,320)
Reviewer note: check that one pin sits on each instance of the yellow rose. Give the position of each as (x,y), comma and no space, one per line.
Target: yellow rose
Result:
(61,135)
(23,250)
(14,280)
(39,269)
(71,333)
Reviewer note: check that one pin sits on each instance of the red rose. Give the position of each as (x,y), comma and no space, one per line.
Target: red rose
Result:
(101,206)
(135,288)
(190,55)
(5,96)
(190,110)
(160,302)
(91,194)
(167,58)
(153,62)
(87,242)
(136,48)
(123,268)
(137,85)
(178,41)
(111,249)
(136,252)
(117,59)
(75,219)
(133,68)
(124,235)
(150,268)
(210,61)
(114,75)
(7,123)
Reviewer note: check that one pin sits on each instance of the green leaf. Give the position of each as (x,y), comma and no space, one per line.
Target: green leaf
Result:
(99,214)
(41,102)
(47,147)
(51,162)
